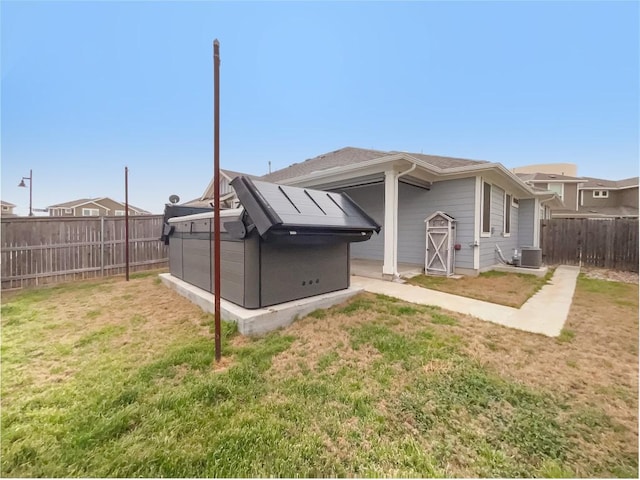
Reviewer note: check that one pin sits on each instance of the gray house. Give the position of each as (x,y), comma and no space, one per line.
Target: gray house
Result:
(488,207)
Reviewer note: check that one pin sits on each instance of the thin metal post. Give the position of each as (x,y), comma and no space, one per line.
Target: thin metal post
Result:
(30,193)
(216,194)
(126,220)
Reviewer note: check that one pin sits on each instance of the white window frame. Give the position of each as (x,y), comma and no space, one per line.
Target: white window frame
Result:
(90,212)
(561,194)
(508,199)
(484,183)
(119,213)
(68,210)
(601,194)
(5,208)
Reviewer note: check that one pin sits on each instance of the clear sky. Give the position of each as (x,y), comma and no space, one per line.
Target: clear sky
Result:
(89,87)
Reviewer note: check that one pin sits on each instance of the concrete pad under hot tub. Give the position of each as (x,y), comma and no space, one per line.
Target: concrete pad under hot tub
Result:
(259,320)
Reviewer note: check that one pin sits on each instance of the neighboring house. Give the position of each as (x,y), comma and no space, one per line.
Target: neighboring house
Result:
(7,209)
(92,207)
(228,198)
(491,206)
(567,187)
(587,197)
(599,198)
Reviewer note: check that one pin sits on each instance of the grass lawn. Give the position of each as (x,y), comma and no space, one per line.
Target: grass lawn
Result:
(505,288)
(104,379)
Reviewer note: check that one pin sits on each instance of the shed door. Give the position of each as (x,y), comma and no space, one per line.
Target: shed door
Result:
(438,257)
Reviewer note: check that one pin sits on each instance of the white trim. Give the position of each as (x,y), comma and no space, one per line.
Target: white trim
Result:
(119,213)
(389,266)
(66,210)
(482,195)
(536,223)
(90,210)
(581,197)
(600,193)
(506,204)
(476,224)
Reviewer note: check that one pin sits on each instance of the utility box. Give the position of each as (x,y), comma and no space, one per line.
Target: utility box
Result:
(284,244)
(531,257)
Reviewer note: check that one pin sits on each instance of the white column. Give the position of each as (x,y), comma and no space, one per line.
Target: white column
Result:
(390,266)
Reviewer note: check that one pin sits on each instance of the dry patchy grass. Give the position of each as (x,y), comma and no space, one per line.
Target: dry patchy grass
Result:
(504,288)
(117,379)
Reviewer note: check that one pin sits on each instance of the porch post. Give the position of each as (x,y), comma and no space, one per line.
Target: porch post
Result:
(390,265)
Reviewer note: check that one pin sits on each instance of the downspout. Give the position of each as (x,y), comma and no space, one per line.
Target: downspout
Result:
(395,219)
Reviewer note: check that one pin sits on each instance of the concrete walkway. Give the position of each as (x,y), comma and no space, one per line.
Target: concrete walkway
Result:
(544,313)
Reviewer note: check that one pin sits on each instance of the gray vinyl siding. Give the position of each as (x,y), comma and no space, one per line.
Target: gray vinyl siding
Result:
(456,198)
(525,222)
(371,200)
(488,254)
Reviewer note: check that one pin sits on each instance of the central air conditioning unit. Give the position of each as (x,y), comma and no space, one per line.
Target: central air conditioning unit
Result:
(531,257)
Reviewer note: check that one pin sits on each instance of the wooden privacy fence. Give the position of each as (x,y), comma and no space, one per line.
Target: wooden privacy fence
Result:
(608,243)
(40,250)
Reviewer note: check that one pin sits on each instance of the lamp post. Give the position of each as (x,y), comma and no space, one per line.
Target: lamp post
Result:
(21,184)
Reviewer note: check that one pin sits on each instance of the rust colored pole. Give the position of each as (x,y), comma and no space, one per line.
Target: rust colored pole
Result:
(216,194)
(126,220)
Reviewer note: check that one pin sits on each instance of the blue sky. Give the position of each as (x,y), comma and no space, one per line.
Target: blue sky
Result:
(89,87)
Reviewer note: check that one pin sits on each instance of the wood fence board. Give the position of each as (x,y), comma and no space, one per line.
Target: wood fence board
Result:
(607,243)
(42,250)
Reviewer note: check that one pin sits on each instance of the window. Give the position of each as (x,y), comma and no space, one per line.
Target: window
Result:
(5,209)
(90,212)
(557,188)
(119,213)
(601,194)
(507,215)
(486,208)
(68,210)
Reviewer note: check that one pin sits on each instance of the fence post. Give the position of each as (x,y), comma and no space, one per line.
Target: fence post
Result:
(102,246)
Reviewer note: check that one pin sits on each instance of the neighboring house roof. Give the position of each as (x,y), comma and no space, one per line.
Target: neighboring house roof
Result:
(352,156)
(6,204)
(548,177)
(599,212)
(230,174)
(94,201)
(597,183)
(208,193)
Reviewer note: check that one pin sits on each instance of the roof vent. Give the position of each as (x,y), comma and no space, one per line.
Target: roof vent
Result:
(552,176)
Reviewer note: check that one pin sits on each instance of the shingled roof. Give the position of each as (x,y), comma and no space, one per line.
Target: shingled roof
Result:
(591,182)
(545,177)
(352,156)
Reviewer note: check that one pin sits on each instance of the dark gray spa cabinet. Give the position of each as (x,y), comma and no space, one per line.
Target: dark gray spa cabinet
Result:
(283,244)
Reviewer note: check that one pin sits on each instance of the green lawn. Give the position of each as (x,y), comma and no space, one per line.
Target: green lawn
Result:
(110,379)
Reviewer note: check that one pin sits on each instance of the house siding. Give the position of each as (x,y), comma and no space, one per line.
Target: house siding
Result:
(371,200)
(454,197)
(488,254)
(571,196)
(629,197)
(613,200)
(526,214)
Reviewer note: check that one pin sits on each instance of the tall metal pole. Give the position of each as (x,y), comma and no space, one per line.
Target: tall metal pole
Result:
(216,194)
(126,220)
(30,193)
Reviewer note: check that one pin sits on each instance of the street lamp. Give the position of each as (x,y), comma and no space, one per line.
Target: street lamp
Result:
(21,184)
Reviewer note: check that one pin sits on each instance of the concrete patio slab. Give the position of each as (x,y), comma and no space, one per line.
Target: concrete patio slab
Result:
(260,320)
